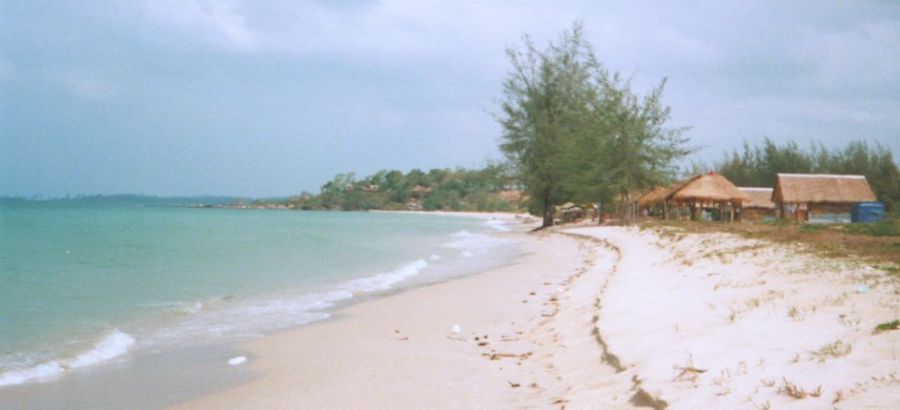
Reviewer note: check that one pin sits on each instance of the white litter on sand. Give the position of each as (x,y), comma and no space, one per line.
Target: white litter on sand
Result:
(237,361)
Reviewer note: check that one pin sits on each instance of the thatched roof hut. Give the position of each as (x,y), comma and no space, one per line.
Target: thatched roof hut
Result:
(701,191)
(760,198)
(711,187)
(822,189)
(655,196)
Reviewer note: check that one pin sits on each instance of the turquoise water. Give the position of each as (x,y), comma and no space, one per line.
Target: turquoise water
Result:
(80,286)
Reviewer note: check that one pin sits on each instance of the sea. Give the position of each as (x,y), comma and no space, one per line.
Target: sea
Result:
(82,286)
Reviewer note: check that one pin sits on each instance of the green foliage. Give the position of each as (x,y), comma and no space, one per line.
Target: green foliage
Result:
(758,165)
(884,327)
(437,189)
(887,227)
(575,132)
(813,227)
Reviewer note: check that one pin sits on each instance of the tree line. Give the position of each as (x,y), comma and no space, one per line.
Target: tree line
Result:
(491,188)
(574,131)
(758,165)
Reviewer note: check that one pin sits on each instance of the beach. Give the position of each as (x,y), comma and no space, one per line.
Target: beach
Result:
(524,334)
(600,317)
(575,316)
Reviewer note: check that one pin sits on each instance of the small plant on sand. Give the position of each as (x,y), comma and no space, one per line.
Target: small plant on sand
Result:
(794,313)
(835,350)
(733,316)
(886,326)
(798,392)
(723,382)
(688,372)
(763,406)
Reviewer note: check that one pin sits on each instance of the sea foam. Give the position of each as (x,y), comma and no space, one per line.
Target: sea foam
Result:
(497,225)
(384,281)
(470,243)
(115,344)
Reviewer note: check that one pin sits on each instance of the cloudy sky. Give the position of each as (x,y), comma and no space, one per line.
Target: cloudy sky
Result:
(261,98)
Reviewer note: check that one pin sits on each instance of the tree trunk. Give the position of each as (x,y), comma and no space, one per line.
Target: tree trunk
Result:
(599,213)
(548,210)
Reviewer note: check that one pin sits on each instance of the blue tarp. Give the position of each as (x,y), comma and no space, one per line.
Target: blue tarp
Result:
(867,212)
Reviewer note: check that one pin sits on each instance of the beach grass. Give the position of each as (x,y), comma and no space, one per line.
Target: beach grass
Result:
(876,243)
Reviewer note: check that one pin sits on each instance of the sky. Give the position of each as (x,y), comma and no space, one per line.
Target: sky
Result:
(271,98)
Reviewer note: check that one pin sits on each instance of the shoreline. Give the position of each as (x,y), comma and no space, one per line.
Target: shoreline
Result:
(587,317)
(601,317)
(521,345)
(143,359)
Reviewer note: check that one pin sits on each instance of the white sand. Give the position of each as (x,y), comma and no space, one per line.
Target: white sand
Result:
(696,321)
(750,315)
(535,344)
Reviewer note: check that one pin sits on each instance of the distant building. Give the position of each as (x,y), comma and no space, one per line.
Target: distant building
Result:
(710,192)
(819,197)
(709,196)
(759,206)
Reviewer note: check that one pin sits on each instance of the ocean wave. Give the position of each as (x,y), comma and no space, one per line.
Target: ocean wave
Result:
(498,225)
(384,281)
(200,321)
(251,318)
(115,344)
(469,242)
(244,319)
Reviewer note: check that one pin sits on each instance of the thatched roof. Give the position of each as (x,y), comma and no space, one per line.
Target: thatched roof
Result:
(654,196)
(709,187)
(759,198)
(822,188)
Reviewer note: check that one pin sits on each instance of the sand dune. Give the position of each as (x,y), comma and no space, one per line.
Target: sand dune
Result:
(716,321)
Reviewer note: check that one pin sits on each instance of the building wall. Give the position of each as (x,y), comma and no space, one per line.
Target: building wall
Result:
(830,213)
(815,213)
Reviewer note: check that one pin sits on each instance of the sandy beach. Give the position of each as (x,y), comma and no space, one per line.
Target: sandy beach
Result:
(600,317)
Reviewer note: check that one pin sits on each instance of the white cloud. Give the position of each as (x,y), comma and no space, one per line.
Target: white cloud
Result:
(217,22)
(382,28)
(734,70)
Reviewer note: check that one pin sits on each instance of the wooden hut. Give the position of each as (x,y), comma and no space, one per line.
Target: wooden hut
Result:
(707,192)
(760,205)
(653,202)
(819,197)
